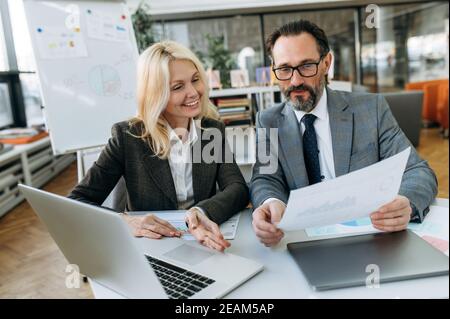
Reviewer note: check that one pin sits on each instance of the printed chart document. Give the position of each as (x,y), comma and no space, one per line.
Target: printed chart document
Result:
(348,197)
(176,219)
(352,227)
(432,229)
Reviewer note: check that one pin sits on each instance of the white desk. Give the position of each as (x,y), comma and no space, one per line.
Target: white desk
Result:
(281,277)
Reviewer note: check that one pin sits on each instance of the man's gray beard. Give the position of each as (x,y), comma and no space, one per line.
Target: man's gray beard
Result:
(308,105)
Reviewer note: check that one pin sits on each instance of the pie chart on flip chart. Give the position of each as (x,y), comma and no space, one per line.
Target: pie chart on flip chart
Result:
(104,80)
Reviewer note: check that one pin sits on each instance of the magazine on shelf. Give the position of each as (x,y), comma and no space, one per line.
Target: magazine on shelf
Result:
(239,78)
(18,133)
(263,76)
(21,135)
(213,79)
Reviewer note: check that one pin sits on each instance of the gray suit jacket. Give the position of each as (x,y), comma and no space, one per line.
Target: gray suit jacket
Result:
(363,132)
(149,182)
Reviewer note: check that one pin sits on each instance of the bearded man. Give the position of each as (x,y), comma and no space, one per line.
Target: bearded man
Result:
(323,134)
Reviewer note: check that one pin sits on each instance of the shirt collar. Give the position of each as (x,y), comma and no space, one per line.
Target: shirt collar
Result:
(192,136)
(320,111)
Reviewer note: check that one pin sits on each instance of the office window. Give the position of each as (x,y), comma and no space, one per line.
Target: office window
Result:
(410,45)
(32,98)
(158,31)
(340,29)
(26,64)
(4,66)
(242,37)
(22,41)
(6,116)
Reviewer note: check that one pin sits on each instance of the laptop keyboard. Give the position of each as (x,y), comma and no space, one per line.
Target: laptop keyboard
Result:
(178,283)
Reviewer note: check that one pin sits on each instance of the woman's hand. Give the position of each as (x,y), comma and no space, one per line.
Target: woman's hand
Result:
(150,226)
(205,231)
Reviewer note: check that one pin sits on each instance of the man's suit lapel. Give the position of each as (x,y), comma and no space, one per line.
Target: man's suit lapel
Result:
(341,126)
(159,172)
(290,140)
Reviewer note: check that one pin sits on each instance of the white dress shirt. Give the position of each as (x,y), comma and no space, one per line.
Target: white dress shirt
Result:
(180,162)
(324,142)
(323,133)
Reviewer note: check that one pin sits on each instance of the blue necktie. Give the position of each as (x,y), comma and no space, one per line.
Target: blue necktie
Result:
(310,150)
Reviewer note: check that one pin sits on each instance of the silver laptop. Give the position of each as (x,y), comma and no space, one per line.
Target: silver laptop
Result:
(101,244)
(351,261)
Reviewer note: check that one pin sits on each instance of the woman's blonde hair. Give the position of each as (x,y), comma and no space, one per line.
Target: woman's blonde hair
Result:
(153,92)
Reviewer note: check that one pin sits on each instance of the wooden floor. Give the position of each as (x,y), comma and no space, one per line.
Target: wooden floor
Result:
(434,149)
(31,266)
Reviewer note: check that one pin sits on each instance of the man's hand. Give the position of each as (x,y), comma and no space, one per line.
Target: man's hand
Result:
(265,219)
(205,230)
(150,226)
(393,216)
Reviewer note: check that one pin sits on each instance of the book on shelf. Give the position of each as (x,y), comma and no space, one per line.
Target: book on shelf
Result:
(238,115)
(232,102)
(242,122)
(235,110)
(229,110)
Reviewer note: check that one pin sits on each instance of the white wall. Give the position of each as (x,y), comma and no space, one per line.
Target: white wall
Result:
(161,7)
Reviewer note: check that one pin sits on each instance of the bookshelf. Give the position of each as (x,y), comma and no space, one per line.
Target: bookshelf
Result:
(235,111)
(237,108)
(32,164)
(261,97)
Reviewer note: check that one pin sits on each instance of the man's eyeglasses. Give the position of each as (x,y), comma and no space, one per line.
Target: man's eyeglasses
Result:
(306,70)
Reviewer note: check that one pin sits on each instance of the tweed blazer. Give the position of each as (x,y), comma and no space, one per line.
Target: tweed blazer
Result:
(363,132)
(219,188)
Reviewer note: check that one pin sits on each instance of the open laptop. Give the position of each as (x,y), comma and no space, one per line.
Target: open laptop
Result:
(101,244)
(355,260)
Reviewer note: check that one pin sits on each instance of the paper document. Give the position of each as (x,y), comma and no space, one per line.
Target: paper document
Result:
(176,219)
(348,197)
(60,43)
(229,227)
(106,27)
(432,229)
(357,226)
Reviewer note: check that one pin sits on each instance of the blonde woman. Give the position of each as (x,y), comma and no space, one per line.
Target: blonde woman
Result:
(153,152)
